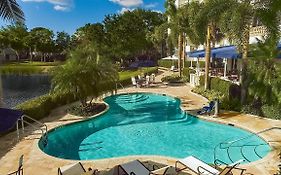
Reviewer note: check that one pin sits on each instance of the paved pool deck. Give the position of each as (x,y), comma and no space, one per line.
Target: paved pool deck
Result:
(37,162)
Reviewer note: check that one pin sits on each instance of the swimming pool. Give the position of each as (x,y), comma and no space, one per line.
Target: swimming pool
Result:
(150,124)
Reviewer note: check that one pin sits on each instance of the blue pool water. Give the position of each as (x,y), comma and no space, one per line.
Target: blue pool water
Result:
(151,124)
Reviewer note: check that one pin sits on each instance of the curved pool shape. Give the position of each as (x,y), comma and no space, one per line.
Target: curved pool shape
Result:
(150,124)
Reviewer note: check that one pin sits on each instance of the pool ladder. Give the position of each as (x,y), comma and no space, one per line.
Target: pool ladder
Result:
(35,124)
(229,144)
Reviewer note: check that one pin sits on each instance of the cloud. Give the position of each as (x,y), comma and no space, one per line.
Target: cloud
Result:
(128,3)
(151,5)
(61,8)
(59,5)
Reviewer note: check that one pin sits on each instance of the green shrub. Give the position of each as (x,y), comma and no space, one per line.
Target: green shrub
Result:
(172,79)
(225,102)
(273,112)
(37,108)
(169,63)
(250,109)
(41,107)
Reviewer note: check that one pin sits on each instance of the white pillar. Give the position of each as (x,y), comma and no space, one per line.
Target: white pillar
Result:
(198,67)
(225,67)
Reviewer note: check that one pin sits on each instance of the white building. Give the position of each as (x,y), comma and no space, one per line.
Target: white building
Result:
(7,54)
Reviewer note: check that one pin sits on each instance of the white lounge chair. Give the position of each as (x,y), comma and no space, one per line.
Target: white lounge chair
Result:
(20,167)
(137,168)
(152,78)
(134,82)
(202,168)
(147,81)
(73,169)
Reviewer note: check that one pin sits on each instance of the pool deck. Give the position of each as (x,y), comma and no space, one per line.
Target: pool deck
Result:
(37,162)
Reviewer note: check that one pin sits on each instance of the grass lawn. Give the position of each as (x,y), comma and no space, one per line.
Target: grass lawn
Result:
(27,67)
(128,74)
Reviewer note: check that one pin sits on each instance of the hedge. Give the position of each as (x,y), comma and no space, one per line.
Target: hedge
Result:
(169,63)
(228,89)
(41,107)
(227,92)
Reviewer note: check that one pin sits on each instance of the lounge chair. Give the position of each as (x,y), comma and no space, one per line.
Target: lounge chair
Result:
(135,167)
(152,78)
(20,168)
(201,168)
(73,169)
(207,109)
(134,82)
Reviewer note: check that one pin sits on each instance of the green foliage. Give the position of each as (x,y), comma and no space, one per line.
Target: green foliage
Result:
(10,10)
(90,110)
(172,79)
(129,34)
(264,77)
(38,107)
(250,109)
(273,112)
(225,91)
(41,107)
(82,76)
(167,63)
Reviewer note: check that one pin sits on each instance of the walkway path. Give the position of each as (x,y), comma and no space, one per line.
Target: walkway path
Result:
(37,162)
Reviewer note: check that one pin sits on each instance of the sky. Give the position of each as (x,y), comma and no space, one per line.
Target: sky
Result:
(68,15)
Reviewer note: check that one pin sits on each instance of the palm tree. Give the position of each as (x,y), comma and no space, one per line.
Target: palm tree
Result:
(265,73)
(238,20)
(82,76)
(9,10)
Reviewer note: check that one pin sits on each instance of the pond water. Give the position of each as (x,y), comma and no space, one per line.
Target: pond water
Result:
(20,88)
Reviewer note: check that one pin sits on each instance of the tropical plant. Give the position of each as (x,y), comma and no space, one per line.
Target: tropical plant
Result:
(81,76)
(14,37)
(41,40)
(10,10)
(264,76)
(237,21)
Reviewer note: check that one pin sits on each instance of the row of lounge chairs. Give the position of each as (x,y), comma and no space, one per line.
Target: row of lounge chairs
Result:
(143,81)
(136,167)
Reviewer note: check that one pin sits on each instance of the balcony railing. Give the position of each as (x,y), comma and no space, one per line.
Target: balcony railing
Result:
(258,31)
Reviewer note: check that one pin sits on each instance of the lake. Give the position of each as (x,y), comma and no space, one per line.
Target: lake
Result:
(20,88)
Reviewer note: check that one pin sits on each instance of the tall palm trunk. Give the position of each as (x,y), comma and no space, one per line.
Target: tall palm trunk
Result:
(244,66)
(207,57)
(183,51)
(180,43)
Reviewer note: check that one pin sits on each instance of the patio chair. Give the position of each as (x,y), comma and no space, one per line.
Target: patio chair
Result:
(134,82)
(20,167)
(73,169)
(152,78)
(201,168)
(207,109)
(135,167)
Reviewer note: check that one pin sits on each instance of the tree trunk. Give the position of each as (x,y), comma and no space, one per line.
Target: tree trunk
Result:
(243,75)
(180,40)
(183,51)
(207,57)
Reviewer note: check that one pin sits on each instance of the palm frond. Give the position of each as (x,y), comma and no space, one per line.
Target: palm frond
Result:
(10,10)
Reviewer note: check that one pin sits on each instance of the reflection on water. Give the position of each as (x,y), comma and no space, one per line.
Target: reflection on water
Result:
(19,88)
